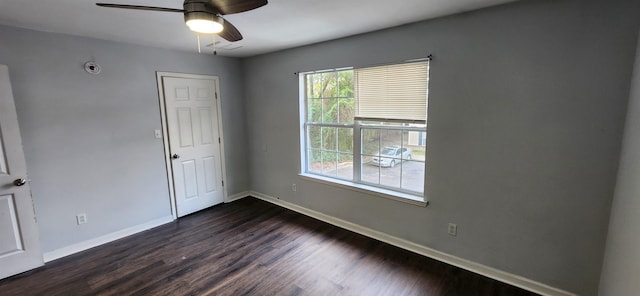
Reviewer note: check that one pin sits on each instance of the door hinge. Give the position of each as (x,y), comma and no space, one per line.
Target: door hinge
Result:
(33,207)
(219,141)
(222,183)
(216,95)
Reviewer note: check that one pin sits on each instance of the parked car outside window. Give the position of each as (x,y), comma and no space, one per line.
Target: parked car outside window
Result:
(391,155)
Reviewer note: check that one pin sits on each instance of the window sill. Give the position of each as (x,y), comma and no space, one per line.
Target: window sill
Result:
(389,194)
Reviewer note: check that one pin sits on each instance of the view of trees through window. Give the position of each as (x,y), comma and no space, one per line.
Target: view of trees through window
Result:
(391,154)
(330,113)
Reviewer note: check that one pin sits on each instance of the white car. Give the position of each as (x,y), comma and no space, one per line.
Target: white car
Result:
(390,155)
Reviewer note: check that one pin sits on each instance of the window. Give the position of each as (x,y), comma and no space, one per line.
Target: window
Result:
(367,127)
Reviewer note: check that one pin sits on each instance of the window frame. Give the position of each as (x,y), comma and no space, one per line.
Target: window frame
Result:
(355,183)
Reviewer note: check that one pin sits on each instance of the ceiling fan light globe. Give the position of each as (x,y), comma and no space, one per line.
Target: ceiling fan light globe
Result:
(204,26)
(205,22)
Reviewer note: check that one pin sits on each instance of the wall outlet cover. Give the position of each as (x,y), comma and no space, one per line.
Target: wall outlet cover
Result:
(81,218)
(452,229)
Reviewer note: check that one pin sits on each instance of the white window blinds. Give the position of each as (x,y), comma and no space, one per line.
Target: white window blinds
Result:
(392,92)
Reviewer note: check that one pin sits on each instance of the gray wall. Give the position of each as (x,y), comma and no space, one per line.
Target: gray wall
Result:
(88,139)
(527,107)
(622,256)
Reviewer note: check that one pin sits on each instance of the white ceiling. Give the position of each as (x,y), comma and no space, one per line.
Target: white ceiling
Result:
(278,25)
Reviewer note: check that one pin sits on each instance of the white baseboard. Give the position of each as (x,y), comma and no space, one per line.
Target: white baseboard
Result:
(237,196)
(88,244)
(484,270)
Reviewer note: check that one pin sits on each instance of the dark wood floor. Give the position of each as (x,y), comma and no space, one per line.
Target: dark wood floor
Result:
(250,247)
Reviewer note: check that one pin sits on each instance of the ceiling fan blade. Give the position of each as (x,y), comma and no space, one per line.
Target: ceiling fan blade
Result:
(138,7)
(230,32)
(236,6)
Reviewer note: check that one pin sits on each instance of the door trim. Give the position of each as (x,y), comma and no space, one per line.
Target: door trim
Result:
(165,133)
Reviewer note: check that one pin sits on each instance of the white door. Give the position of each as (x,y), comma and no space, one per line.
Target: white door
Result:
(19,242)
(194,142)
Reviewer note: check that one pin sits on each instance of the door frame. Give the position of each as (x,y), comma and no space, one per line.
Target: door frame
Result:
(165,133)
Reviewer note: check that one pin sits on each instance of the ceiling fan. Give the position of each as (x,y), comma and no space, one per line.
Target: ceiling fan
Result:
(205,16)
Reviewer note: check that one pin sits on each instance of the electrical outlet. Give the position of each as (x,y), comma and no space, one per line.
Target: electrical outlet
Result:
(453,229)
(81,218)
(157,134)
(294,188)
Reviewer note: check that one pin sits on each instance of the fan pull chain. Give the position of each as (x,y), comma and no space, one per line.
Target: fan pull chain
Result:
(213,38)
(198,37)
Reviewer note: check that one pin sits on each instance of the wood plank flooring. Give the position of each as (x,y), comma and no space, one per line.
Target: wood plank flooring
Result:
(250,247)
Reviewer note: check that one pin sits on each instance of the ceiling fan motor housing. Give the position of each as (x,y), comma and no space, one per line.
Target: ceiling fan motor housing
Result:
(199,8)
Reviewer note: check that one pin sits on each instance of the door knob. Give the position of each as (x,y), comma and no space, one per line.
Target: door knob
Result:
(19,182)
(175,156)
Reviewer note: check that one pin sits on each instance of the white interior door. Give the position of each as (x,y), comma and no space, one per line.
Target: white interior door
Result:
(194,142)
(19,241)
